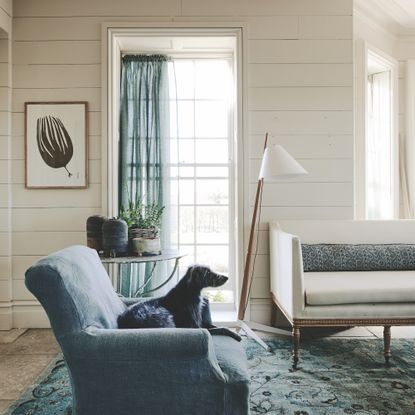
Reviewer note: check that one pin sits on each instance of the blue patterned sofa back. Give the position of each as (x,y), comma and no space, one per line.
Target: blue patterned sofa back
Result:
(358,257)
(63,283)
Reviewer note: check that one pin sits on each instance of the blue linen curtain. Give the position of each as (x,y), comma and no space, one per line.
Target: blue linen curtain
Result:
(142,145)
(143,125)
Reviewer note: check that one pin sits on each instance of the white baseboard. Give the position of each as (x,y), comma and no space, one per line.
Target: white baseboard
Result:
(261,311)
(6,318)
(23,316)
(30,317)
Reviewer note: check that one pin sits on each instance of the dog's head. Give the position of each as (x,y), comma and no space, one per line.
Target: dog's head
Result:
(200,276)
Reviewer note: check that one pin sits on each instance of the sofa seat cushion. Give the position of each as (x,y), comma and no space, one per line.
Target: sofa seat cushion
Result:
(331,288)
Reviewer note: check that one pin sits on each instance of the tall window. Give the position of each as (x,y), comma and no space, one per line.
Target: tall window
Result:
(202,134)
(381,143)
(198,143)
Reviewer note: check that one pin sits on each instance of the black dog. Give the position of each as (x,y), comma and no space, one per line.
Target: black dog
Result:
(182,306)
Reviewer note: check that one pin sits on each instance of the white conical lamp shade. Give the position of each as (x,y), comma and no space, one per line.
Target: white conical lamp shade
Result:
(278,164)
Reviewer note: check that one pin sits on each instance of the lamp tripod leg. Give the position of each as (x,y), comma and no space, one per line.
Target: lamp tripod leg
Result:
(250,333)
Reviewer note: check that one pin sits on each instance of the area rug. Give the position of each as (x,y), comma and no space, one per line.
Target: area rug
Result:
(336,376)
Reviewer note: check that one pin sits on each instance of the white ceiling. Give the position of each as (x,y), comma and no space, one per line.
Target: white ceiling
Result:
(397,15)
(402,11)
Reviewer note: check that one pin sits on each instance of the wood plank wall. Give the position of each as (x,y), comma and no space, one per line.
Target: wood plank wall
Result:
(6,321)
(299,78)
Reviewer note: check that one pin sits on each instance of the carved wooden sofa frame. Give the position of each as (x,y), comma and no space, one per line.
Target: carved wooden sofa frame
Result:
(289,281)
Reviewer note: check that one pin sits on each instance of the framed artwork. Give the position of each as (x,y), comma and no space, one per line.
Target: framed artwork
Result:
(56,145)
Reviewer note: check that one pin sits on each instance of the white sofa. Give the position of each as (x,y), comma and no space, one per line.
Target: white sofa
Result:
(353,298)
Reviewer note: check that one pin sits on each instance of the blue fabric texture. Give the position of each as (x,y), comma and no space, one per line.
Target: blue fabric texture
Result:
(127,372)
(359,257)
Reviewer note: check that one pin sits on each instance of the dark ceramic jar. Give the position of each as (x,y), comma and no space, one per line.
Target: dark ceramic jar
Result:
(115,237)
(94,232)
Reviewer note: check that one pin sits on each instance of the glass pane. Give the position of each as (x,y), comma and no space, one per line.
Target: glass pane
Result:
(186,192)
(174,191)
(187,171)
(172,151)
(213,171)
(187,225)
(212,79)
(379,149)
(212,151)
(171,76)
(184,78)
(173,172)
(172,233)
(173,131)
(188,259)
(211,119)
(212,192)
(216,257)
(212,224)
(185,116)
(219,295)
(186,151)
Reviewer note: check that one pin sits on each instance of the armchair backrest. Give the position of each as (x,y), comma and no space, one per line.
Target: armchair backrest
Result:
(75,290)
(351,231)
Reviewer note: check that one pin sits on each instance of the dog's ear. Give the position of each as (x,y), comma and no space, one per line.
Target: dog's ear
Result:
(189,276)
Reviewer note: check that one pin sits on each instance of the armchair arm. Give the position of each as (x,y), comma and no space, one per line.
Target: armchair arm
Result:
(142,344)
(286,267)
(141,370)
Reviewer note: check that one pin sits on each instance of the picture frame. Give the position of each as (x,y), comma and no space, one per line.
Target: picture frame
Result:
(56,145)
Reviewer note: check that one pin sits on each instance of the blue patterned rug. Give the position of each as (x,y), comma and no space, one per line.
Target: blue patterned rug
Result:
(336,376)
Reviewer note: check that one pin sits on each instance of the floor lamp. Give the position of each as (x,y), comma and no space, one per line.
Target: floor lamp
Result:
(277,164)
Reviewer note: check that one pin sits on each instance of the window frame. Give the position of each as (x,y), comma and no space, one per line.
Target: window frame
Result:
(362,52)
(112,33)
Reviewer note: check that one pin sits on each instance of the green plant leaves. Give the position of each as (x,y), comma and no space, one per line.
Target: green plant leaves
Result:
(138,215)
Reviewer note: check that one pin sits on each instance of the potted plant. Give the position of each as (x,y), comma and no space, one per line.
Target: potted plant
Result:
(144,222)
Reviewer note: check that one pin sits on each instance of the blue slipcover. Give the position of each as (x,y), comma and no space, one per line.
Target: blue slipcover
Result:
(132,372)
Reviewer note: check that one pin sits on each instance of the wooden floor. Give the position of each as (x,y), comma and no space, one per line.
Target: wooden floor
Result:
(24,354)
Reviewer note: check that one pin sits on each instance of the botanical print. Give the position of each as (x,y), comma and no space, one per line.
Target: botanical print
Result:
(54,142)
(56,145)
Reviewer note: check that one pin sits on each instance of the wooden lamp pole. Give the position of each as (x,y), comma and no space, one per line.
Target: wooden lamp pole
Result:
(246,282)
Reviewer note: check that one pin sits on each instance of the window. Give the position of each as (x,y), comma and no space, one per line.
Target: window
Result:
(205,128)
(376,146)
(380,200)
(201,126)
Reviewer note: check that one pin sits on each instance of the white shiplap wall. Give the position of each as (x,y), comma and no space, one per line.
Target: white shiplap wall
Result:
(5,166)
(299,78)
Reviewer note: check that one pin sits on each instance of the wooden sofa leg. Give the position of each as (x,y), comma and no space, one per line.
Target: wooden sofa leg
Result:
(296,345)
(387,343)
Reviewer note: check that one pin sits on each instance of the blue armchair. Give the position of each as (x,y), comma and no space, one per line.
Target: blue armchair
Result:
(127,372)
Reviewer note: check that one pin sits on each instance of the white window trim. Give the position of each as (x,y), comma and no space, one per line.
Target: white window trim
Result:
(110,72)
(362,50)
